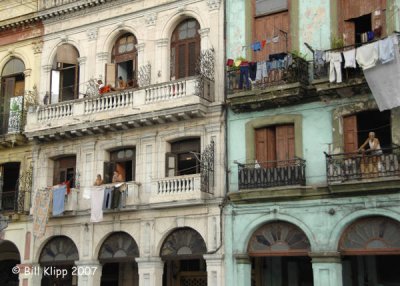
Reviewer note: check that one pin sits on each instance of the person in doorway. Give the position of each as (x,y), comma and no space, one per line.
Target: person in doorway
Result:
(121,83)
(99,180)
(117,177)
(371,164)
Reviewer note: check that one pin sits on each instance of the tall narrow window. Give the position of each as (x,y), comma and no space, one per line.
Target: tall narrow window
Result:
(124,63)
(271,23)
(183,158)
(12,94)
(64,170)
(275,145)
(185,49)
(123,161)
(9,174)
(65,74)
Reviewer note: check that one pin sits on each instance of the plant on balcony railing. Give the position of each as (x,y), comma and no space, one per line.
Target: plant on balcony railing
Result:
(272,174)
(290,69)
(363,165)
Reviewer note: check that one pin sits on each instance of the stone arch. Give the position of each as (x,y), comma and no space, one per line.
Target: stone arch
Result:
(58,249)
(8,250)
(169,235)
(42,244)
(53,51)
(118,246)
(371,235)
(339,228)
(114,35)
(243,240)
(18,55)
(175,19)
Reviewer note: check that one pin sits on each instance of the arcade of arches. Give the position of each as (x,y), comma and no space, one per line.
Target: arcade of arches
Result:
(280,254)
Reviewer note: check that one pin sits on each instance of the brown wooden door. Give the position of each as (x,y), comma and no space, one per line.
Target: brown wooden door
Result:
(265,146)
(268,27)
(350,134)
(284,144)
(9,90)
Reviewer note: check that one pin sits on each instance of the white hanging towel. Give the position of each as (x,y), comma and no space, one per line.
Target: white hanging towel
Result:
(367,55)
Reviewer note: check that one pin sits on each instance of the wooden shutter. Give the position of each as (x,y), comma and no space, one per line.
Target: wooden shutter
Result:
(285,148)
(265,146)
(9,90)
(350,138)
(171,164)
(267,27)
(193,56)
(181,61)
(110,74)
(108,172)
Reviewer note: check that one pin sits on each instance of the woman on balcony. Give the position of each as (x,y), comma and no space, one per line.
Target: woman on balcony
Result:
(371,163)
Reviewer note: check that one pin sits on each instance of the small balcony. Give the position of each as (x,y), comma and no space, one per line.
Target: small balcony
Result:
(179,188)
(272,174)
(381,165)
(120,110)
(283,83)
(12,124)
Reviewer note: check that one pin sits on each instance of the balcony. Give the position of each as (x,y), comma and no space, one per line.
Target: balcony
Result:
(285,84)
(132,108)
(11,124)
(272,174)
(179,188)
(353,80)
(363,167)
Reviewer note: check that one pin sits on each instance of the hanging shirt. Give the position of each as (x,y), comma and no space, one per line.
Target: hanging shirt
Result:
(256,46)
(367,55)
(350,58)
(59,199)
(386,50)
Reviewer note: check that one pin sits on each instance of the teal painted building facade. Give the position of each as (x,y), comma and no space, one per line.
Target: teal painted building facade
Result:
(325,214)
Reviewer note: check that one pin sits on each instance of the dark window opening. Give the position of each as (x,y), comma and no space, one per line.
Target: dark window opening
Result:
(64,170)
(362,25)
(123,161)
(356,128)
(183,158)
(9,173)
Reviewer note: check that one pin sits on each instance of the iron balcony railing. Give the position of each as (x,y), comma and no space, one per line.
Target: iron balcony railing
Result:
(363,165)
(8,201)
(290,71)
(272,174)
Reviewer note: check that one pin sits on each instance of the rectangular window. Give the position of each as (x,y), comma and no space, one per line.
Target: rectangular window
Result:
(275,145)
(356,128)
(64,170)
(123,161)
(183,158)
(9,174)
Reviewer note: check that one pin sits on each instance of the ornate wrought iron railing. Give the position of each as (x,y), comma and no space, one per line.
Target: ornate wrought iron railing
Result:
(363,165)
(292,70)
(207,168)
(272,174)
(9,201)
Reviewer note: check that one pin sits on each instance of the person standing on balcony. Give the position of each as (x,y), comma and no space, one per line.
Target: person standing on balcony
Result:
(121,83)
(373,163)
(99,180)
(117,177)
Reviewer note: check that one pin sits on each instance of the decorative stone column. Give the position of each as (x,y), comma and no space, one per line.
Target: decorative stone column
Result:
(161,71)
(205,45)
(215,275)
(243,270)
(101,60)
(150,271)
(82,76)
(327,269)
(88,273)
(29,274)
(140,54)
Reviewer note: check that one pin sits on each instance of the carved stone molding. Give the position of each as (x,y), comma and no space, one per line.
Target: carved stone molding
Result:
(82,60)
(150,19)
(204,32)
(140,47)
(103,56)
(37,47)
(27,72)
(162,42)
(47,68)
(213,4)
(92,34)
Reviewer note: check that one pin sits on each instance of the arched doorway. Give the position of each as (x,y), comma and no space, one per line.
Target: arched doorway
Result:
(60,252)
(117,255)
(182,252)
(123,63)
(279,255)
(12,95)
(9,258)
(65,74)
(185,49)
(371,252)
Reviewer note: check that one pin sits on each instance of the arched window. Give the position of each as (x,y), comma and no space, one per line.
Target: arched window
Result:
(65,74)
(183,242)
(185,49)
(12,94)
(123,63)
(118,247)
(277,239)
(371,235)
